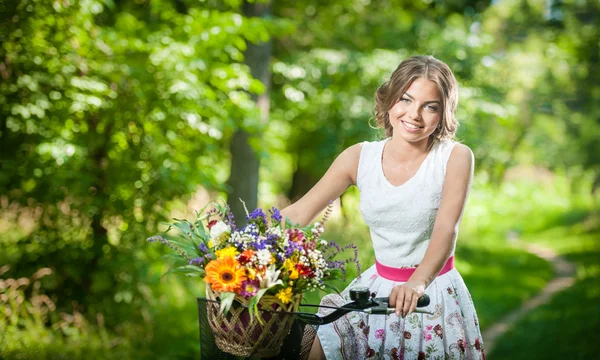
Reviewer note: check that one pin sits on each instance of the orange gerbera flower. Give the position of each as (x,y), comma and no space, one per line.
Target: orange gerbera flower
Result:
(225,275)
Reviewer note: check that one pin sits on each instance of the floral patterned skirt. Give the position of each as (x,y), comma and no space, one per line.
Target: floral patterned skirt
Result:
(452,332)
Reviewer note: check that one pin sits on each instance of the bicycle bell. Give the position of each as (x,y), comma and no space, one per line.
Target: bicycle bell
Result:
(360,295)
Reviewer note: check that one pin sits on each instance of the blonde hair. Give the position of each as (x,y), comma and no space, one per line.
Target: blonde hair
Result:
(415,67)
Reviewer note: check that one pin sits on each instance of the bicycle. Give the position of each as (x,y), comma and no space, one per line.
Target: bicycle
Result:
(298,342)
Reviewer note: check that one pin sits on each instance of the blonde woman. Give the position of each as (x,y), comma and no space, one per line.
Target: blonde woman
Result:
(413,187)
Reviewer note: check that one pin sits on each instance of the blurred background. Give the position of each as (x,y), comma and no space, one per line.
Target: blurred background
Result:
(117,115)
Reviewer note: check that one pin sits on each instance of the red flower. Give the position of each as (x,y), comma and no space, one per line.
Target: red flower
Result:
(370,352)
(394,354)
(438,331)
(296,235)
(304,270)
(211,224)
(421,356)
(246,256)
(461,345)
(407,335)
(366,330)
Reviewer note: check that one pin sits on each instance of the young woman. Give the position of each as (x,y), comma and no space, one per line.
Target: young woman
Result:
(413,188)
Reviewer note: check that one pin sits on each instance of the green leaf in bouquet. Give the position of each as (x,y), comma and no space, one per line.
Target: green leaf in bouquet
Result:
(189,249)
(199,229)
(333,287)
(174,259)
(188,270)
(253,304)
(289,224)
(335,274)
(301,283)
(226,301)
(185,228)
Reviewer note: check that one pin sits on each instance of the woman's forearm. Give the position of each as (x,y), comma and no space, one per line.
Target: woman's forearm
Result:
(295,217)
(438,252)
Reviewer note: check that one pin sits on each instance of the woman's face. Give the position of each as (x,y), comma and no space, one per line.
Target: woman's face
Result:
(418,112)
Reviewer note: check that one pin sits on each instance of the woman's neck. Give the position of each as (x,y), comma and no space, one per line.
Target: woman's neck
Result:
(402,150)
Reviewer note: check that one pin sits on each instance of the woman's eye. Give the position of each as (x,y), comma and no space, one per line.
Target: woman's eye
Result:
(432,108)
(406,100)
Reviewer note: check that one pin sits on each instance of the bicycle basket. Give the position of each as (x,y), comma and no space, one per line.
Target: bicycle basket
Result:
(245,339)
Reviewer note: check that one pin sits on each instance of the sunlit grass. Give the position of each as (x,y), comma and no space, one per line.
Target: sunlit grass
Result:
(562,328)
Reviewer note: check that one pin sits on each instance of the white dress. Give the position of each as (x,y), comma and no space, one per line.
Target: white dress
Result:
(401,221)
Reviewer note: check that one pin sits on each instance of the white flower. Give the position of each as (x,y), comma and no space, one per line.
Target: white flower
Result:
(274,231)
(271,278)
(220,232)
(263,256)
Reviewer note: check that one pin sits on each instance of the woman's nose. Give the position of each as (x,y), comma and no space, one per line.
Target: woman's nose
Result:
(413,112)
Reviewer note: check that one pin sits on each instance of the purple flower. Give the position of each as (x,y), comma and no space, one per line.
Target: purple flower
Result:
(199,261)
(252,230)
(258,245)
(203,248)
(231,220)
(250,288)
(280,257)
(275,214)
(272,239)
(291,248)
(158,238)
(257,216)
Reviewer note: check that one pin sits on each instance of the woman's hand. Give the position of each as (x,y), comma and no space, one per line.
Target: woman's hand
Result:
(404,297)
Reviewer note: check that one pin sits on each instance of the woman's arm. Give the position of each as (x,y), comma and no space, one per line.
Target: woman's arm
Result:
(457,184)
(340,175)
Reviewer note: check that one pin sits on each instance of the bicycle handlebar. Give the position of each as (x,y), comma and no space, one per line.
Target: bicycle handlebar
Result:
(362,302)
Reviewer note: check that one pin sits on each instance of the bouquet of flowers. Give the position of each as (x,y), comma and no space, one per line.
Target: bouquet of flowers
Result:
(266,265)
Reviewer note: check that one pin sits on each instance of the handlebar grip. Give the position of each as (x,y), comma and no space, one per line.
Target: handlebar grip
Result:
(422,302)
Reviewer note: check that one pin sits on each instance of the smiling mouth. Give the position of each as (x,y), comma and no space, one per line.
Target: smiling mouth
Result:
(411,126)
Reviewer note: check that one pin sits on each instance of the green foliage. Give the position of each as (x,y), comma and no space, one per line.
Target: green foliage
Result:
(109,114)
(31,327)
(113,113)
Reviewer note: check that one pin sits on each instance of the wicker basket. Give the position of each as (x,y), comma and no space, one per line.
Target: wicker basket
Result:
(236,334)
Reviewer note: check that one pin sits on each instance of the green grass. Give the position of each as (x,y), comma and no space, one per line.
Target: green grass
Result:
(565,327)
(500,278)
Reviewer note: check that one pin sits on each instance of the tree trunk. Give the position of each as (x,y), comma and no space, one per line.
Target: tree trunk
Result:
(302,181)
(243,178)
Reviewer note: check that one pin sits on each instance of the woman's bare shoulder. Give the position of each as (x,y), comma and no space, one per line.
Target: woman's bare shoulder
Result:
(350,159)
(461,153)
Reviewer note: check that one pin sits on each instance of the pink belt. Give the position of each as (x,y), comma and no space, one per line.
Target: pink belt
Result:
(403,274)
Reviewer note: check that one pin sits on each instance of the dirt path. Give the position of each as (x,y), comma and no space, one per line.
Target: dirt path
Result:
(564,277)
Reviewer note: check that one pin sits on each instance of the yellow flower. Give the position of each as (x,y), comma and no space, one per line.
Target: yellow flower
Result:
(285,295)
(228,251)
(288,265)
(291,267)
(251,273)
(210,244)
(225,275)
(294,274)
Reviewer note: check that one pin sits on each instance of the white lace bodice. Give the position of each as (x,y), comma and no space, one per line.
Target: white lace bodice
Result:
(401,218)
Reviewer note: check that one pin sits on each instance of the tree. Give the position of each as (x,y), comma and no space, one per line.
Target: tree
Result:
(245,162)
(108,114)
